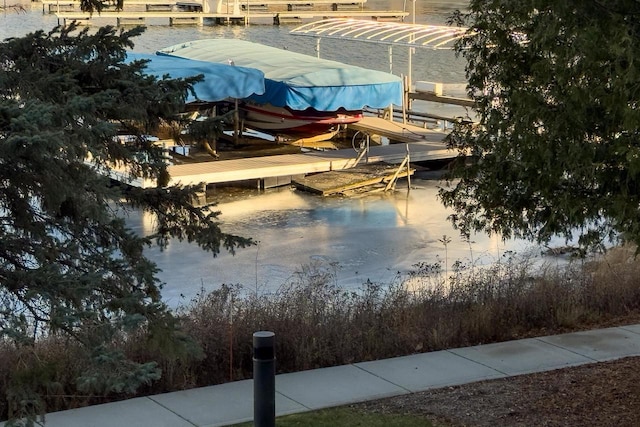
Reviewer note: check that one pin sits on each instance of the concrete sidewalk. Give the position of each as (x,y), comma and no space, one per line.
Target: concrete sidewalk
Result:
(320,388)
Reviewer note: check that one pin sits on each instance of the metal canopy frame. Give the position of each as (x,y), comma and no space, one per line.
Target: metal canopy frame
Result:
(390,33)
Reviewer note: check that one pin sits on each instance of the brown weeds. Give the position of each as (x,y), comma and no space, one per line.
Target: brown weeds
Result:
(317,324)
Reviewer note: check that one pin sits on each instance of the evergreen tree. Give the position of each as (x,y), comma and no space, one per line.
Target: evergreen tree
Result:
(69,266)
(556,150)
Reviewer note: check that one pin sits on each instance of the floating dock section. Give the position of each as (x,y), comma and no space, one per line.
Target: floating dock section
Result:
(349,181)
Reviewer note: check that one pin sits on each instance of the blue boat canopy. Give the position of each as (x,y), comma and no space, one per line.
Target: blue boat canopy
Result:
(299,81)
(221,81)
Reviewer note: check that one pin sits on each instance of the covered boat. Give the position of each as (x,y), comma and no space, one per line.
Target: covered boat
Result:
(303,94)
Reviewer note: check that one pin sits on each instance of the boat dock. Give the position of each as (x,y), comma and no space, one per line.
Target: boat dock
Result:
(277,170)
(272,171)
(147,12)
(55,6)
(200,18)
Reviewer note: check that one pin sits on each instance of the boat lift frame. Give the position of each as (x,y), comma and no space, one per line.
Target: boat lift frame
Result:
(434,37)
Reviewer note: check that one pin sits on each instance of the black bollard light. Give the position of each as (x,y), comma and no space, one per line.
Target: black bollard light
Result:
(264,379)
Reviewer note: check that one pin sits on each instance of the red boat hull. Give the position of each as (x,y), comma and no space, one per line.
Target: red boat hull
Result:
(308,122)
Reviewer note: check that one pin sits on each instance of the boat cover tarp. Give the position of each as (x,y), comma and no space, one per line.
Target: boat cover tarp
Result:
(221,81)
(299,81)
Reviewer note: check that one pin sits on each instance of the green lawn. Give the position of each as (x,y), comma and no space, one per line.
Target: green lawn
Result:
(346,417)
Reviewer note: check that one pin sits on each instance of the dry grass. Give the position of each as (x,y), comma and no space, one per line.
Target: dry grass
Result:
(318,324)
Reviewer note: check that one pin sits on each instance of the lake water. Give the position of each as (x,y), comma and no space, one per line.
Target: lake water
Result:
(440,66)
(374,237)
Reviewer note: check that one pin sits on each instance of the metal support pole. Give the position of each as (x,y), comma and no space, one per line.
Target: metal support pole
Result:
(411,52)
(368,146)
(410,73)
(318,47)
(408,168)
(236,122)
(264,379)
(405,99)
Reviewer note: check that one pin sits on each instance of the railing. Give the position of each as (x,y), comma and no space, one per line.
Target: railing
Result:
(56,6)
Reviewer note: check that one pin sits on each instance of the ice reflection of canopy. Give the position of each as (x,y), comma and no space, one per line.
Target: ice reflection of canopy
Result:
(390,33)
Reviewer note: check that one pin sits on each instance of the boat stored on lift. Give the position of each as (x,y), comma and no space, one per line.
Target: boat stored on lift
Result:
(303,94)
(307,122)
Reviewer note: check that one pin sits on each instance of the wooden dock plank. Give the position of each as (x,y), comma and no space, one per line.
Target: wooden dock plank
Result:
(334,182)
(247,169)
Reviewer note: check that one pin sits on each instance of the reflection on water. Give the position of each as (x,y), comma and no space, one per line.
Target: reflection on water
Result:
(372,238)
(374,214)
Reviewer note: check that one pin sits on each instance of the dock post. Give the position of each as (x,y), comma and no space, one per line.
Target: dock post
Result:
(236,123)
(408,168)
(405,99)
(368,142)
(264,379)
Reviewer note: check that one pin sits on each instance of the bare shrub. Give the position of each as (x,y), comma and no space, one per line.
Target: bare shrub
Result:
(41,375)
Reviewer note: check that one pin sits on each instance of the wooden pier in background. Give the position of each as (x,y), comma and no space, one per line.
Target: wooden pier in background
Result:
(432,97)
(167,12)
(53,6)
